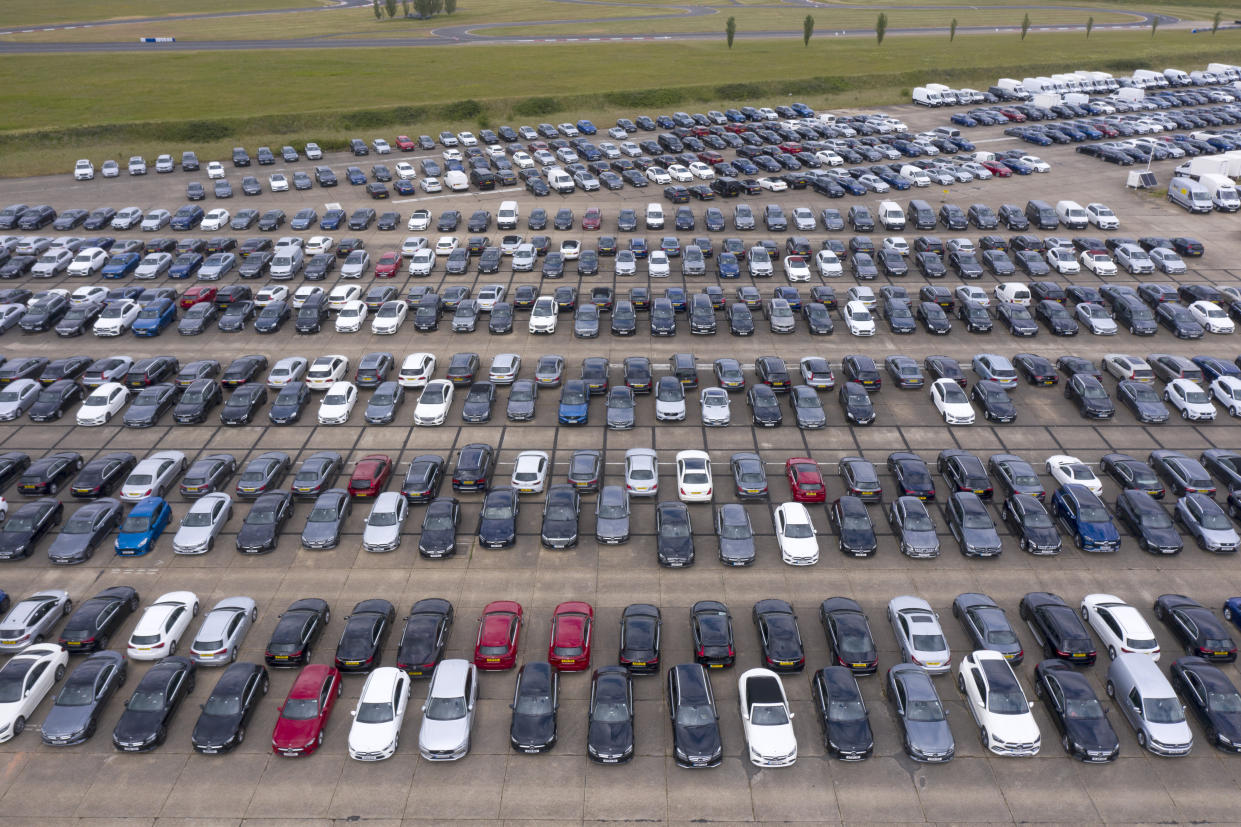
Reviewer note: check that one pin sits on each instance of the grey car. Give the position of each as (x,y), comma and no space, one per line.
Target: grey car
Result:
(924,724)
(912,525)
(84,531)
(549,371)
(971,523)
(612,515)
(735,534)
(222,631)
(807,407)
(620,408)
(75,713)
(33,619)
(1206,522)
(381,408)
(586,321)
(327,519)
(522,396)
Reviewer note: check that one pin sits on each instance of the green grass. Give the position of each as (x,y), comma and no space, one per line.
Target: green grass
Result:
(209,101)
(43,12)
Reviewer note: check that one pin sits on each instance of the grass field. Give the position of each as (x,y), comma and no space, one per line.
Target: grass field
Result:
(43,12)
(123,103)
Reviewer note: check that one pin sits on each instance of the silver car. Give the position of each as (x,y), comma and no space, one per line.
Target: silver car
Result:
(383,524)
(641,472)
(448,714)
(17,397)
(222,631)
(716,408)
(33,619)
(202,524)
(918,634)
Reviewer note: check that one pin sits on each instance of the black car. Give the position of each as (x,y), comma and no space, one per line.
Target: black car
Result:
(326,520)
(778,636)
(1143,400)
(849,639)
(610,731)
(497,520)
(1086,733)
(1225,465)
(1036,370)
(438,537)
(1015,476)
(475,465)
(263,474)
(912,477)
(478,402)
(289,404)
(222,723)
(764,406)
(150,404)
(1171,315)
(561,509)
(423,479)
(149,711)
(25,526)
(1183,474)
(78,319)
(1147,520)
(1017,319)
(243,369)
(854,529)
(208,475)
(1057,628)
(862,370)
(987,626)
(640,630)
(964,472)
(46,475)
(297,631)
(1198,630)
(695,720)
(1027,518)
(425,636)
(101,476)
(970,523)
(1090,397)
(76,710)
(771,371)
(366,630)
(94,621)
(1130,472)
(996,404)
(842,714)
(1212,698)
(262,526)
(856,403)
(711,626)
(536,699)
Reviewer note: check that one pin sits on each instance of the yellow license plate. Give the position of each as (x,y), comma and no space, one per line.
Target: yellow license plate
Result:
(493,660)
(1220,654)
(352,662)
(1082,655)
(8,642)
(282,657)
(639,663)
(860,665)
(786,663)
(979,491)
(933,664)
(717,666)
(527,490)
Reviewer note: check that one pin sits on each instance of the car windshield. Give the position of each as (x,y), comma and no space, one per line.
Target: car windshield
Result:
(735,531)
(286,397)
(146,700)
(924,711)
(1007,702)
(78,525)
(1216,521)
(136,525)
(843,711)
(977,519)
(1092,391)
(265,516)
(150,313)
(382,518)
(1163,711)
(11,682)
(918,521)
(445,709)
(77,693)
(674,527)
(1093,514)
(610,713)
(1156,518)
(370,712)
(1224,702)
(798,531)
(691,715)
(438,521)
(929,643)
(322,514)
(1196,397)
(300,709)
(573,396)
(533,705)
(432,396)
(1082,709)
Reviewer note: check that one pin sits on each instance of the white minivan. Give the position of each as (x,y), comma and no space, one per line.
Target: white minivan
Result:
(507,216)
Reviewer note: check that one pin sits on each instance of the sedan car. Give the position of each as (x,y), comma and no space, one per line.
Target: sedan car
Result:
(162,625)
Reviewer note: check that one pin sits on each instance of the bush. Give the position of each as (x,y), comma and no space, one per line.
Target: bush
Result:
(462,110)
(537,106)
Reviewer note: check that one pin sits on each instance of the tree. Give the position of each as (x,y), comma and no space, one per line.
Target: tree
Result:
(422,8)
(1025,25)
(952,30)
(881,27)
(730,30)
(450,6)
(1215,21)
(379,14)
(405,7)
(1155,24)
(1089,26)
(807,29)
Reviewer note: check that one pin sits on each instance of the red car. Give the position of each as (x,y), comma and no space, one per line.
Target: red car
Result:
(404,144)
(572,624)
(998,170)
(791,147)
(304,714)
(198,293)
(499,631)
(593,218)
(388,265)
(805,480)
(370,475)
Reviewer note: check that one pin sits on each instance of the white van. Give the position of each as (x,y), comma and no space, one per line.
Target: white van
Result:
(1223,191)
(891,216)
(1189,195)
(654,216)
(559,180)
(286,262)
(507,216)
(927,97)
(456,180)
(916,175)
(1072,215)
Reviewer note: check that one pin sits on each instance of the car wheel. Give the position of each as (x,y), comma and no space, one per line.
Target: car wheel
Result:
(254,614)
(67,608)
(1212,735)
(960,683)
(1064,742)
(60,673)
(1184,414)
(162,735)
(241,735)
(956,612)
(266,684)
(1110,689)
(18,726)
(319,740)
(232,656)
(1077,541)
(984,737)
(133,603)
(339,688)
(90,730)
(38,638)
(1159,611)
(1111,652)
(53,488)
(196,609)
(1227,613)
(1142,739)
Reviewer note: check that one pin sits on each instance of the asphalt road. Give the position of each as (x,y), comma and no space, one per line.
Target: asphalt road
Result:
(174,786)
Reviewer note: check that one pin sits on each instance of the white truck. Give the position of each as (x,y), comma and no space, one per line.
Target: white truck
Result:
(1227,71)
(1013,87)
(1046,99)
(1223,191)
(1130,93)
(925,96)
(946,94)
(1149,79)
(1227,163)
(1177,77)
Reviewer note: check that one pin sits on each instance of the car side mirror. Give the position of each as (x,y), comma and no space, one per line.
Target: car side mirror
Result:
(791,716)
(280,708)
(424,707)
(353,713)
(1031,705)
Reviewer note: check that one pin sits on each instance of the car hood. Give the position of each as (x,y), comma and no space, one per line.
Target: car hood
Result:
(929,736)
(981,537)
(698,742)
(732,549)
(437,540)
(676,548)
(137,726)
(771,740)
(858,539)
(533,730)
(610,738)
(294,734)
(381,534)
(12,542)
(851,735)
(1093,734)
(67,720)
(372,737)
(215,730)
(69,545)
(140,540)
(317,531)
(256,536)
(496,529)
(443,735)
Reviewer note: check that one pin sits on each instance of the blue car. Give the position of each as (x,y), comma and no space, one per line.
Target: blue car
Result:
(154,317)
(404,187)
(332,220)
(146,521)
(1084,517)
(586,127)
(1213,367)
(1232,610)
(185,266)
(121,265)
(726,266)
(574,403)
(962,119)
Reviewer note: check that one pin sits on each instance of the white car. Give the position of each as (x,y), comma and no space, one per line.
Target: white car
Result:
(972,293)
(155,264)
(450,154)
(796,535)
(448,714)
(389,317)
(828,264)
(897,244)
(88,262)
(28,677)
(1227,391)
(422,263)
(1212,317)
(773,184)
(384,523)
(446,244)
(419,220)
(153,476)
(694,476)
(530,471)
(858,319)
(223,630)
(701,171)
(377,718)
(766,719)
(1016,292)
(570,249)
(680,173)
(54,261)
(337,403)
(278,182)
(543,315)
(161,626)
(1062,260)
(522,159)
(83,170)
(304,293)
(1120,626)
(669,400)
(431,184)
(356,265)
(468,139)
(657,265)
(951,402)
(271,293)
(504,368)
(1098,262)
(1068,470)
(796,268)
(202,524)
(326,371)
(102,404)
(137,165)
(412,244)
(87,294)
(1096,319)
(1000,708)
(215,169)
(319,244)
(716,406)
(433,403)
(216,219)
(641,472)
(1190,399)
(289,369)
(381,147)
(658,175)
(1101,216)
(17,397)
(1038,163)
(342,294)
(919,636)
(416,370)
(351,317)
